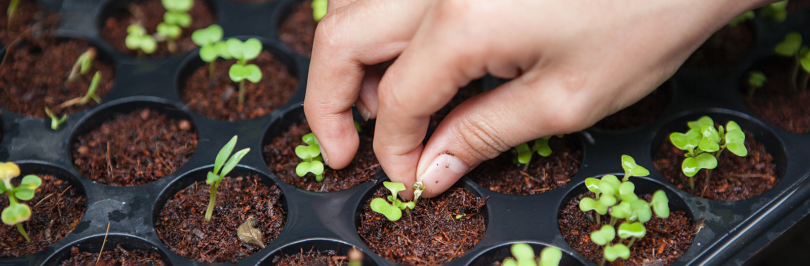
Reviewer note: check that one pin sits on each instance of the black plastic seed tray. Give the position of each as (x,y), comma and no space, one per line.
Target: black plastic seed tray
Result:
(733,232)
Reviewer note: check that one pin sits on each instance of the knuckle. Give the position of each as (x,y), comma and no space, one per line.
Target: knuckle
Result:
(481,138)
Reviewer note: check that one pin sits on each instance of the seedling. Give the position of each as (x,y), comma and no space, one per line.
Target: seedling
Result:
(756,79)
(12,8)
(90,95)
(241,71)
(170,33)
(392,210)
(524,256)
(210,46)
(137,39)
(176,16)
(792,47)
(704,144)
(311,154)
(17,212)
(524,153)
(83,64)
(319,9)
(225,164)
(775,11)
(742,18)
(55,121)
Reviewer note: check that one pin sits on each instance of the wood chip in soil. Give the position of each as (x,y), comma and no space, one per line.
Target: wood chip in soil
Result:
(56,209)
(430,235)
(666,239)
(735,178)
(643,112)
(150,13)
(311,257)
(280,157)
(725,47)
(543,174)
(217,98)
(776,102)
(298,29)
(118,256)
(134,149)
(182,227)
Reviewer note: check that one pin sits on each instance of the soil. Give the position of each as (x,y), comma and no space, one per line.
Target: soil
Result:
(543,174)
(55,210)
(27,73)
(280,157)
(640,113)
(218,98)
(735,178)
(117,256)
(430,235)
(312,257)
(794,5)
(150,14)
(134,149)
(462,95)
(776,103)
(666,239)
(28,13)
(182,227)
(298,29)
(725,47)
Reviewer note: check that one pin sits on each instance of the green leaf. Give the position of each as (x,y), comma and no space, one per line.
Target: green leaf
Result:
(616,251)
(642,210)
(181,19)
(626,191)
(509,262)
(224,153)
(29,185)
(687,141)
(222,50)
(307,152)
(522,251)
(660,204)
(627,230)
(757,79)
(607,199)
(136,29)
(742,18)
(411,205)
(708,143)
(735,136)
(706,161)
(614,182)
(212,178)
(631,168)
(607,187)
(207,36)
(394,187)
(600,208)
(169,30)
(310,139)
(621,211)
(235,160)
(254,74)
(315,167)
(237,72)
(381,206)
(790,46)
(738,148)
(592,184)
(524,153)
(177,5)
(698,124)
(541,145)
(550,256)
(805,61)
(587,204)
(603,236)
(16,213)
(690,167)
(318,9)
(208,53)
(244,51)
(732,126)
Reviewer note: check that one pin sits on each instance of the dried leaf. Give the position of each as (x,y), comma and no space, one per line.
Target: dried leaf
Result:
(248,232)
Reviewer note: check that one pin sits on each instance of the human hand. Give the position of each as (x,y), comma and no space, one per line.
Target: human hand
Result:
(573,63)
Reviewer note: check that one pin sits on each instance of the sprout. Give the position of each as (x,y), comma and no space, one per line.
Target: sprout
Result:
(311,154)
(222,162)
(393,210)
(742,18)
(318,9)
(12,8)
(90,95)
(17,212)
(756,79)
(170,33)
(615,251)
(524,153)
(239,72)
(775,11)
(632,169)
(604,235)
(210,46)
(524,256)
(83,64)
(137,39)
(704,144)
(55,121)
(792,47)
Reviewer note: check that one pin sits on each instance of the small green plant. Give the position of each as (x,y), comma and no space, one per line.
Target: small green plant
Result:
(169,33)
(83,64)
(176,16)
(211,46)
(55,121)
(742,18)
(756,79)
(319,9)
(524,153)
(241,71)
(17,212)
(704,144)
(137,39)
(311,154)
(223,163)
(792,47)
(524,256)
(775,11)
(12,9)
(392,210)
(90,95)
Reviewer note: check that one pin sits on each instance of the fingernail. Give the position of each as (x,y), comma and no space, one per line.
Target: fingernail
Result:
(364,112)
(323,154)
(445,170)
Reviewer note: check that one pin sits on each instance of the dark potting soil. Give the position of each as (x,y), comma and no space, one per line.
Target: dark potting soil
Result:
(725,47)
(462,95)
(280,157)
(776,102)
(218,98)
(735,178)
(503,175)
(117,256)
(34,72)
(640,113)
(182,227)
(312,257)
(666,239)
(431,234)
(794,5)
(298,29)
(28,13)
(134,149)
(150,13)
(56,209)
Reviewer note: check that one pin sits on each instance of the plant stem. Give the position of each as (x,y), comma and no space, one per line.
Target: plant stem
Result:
(526,167)
(612,221)
(708,176)
(598,218)
(795,72)
(172,45)
(805,78)
(212,66)
(241,92)
(692,183)
(22,232)
(631,242)
(603,260)
(211,201)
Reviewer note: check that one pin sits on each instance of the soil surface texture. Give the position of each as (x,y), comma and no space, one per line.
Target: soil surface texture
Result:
(504,175)
(640,113)
(150,13)
(217,98)
(298,29)
(312,257)
(666,239)
(735,178)
(27,14)
(725,47)
(117,256)
(431,234)
(56,209)
(777,103)
(794,5)
(182,227)
(134,149)
(280,157)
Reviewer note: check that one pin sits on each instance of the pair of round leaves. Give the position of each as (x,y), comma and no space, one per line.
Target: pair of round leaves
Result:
(177,5)
(631,168)
(138,39)
(171,31)
(607,233)
(393,210)
(540,146)
(792,46)
(179,18)
(210,45)
(524,256)
(614,252)
(17,212)
(311,154)
(702,139)
(609,190)
(244,51)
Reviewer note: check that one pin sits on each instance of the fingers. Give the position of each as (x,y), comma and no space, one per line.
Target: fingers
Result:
(367,103)
(335,4)
(346,40)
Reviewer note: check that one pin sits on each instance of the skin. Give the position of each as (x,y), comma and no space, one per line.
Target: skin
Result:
(572,63)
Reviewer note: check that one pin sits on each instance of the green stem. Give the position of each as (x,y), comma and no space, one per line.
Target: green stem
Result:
(598,218)
(212,68)
(795,72)
(631,242)
(241,92)
(22,232)
(692,183)
(603,260)
(211,201)
(708,176)
(805,78)
(612,221)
